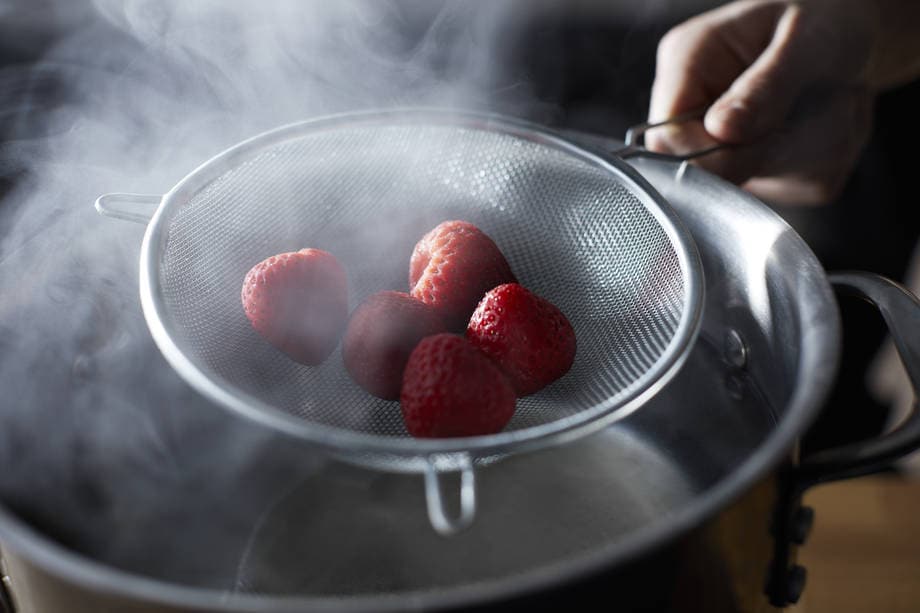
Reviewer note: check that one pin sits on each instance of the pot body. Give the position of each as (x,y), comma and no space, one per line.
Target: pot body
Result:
(687,483)
(719,567)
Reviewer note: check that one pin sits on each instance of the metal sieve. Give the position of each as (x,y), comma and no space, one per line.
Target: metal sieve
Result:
(581,229)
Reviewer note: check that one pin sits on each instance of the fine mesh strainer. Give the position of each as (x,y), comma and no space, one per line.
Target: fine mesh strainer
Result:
(582,230)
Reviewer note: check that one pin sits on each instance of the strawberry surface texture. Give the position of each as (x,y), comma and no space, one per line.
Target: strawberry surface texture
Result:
(453,266)
(381,334)
(451,389)
(298,302)
(530,339)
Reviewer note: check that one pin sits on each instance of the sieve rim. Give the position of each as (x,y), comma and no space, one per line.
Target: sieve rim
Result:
(350,442)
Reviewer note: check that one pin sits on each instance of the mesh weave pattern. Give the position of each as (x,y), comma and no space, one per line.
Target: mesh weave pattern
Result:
(572,231)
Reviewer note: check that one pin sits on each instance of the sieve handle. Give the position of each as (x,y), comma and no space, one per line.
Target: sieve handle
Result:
(901,311)
(634,141)
(444,524)
(138,208)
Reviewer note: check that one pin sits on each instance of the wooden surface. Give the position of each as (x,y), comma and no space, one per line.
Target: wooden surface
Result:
(863,555)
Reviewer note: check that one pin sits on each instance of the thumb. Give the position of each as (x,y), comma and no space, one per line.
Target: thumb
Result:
(761,98)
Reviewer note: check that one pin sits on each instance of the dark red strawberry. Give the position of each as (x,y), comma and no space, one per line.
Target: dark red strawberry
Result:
(451,389)
(298,302)
(453,266)
(381,334)
(526,335)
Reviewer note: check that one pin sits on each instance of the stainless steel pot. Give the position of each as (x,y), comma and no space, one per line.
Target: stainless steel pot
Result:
(696,479)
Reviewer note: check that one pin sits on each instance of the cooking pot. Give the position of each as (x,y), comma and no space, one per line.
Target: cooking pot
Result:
(691,503)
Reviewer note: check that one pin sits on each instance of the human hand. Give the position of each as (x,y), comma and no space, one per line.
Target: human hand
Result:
(784,82)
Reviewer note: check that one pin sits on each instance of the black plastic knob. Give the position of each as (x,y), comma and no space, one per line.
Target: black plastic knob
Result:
(802,522)
(795,583)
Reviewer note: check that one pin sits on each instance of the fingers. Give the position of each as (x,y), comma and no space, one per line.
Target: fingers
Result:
(679,86)
(754,63)
(809,160)
(760,99)
(817,139)
(699,59)
(736,164)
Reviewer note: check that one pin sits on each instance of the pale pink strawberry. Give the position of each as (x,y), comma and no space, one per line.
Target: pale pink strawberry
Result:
(453,266)
(298,302)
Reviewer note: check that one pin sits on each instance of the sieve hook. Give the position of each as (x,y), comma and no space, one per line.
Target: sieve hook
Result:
(138,208)
(437,515)
(634,141)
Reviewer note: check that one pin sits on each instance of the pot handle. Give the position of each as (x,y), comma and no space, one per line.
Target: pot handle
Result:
(444,524)
(138,208)
(901,311)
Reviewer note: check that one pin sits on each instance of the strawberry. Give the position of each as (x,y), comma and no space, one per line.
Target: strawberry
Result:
(527,336)
(381,334)
(453,266)
(451,389)
(298,302)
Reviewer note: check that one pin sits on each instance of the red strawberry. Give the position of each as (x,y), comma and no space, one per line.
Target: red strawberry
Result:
(298,302)
(381,334)
(526,335)
(453,266)
(451,389)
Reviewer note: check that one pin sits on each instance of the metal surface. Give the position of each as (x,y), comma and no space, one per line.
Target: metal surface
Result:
(717,568)
(585,232)
(138,208)
(6,601)
(442,522)
(366,187)
(542,508)
(734,350)
(347,539)
(901,311)
(634,145)
(596,504)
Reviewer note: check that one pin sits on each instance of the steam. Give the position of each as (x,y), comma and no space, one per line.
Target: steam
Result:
(102,445)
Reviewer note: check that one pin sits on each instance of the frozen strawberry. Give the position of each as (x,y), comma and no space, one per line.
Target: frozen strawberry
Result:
(527,336)
(298,302)
(453,266)
(381,334)
(451,389)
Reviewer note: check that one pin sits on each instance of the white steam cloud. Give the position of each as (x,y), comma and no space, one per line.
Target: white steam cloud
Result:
(101,444)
